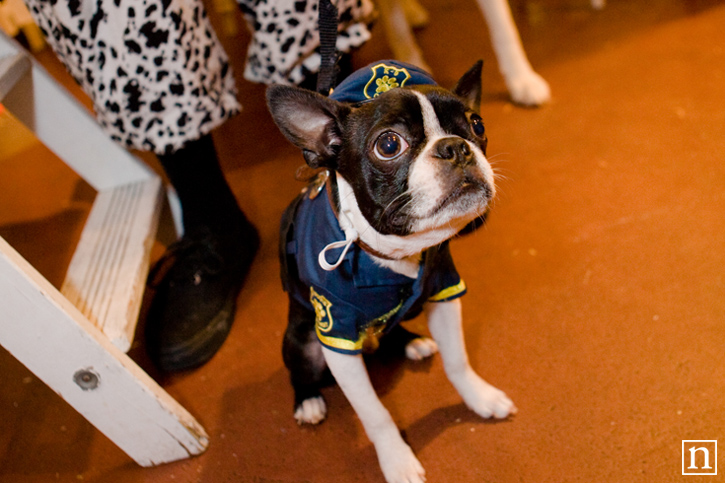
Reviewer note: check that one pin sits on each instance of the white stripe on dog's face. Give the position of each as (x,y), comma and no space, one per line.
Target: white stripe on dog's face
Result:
(426,178)
(431,125)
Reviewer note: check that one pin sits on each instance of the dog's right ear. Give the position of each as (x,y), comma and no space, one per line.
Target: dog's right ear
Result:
(311,121)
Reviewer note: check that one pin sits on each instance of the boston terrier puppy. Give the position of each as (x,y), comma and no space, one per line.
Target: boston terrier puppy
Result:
(402,169)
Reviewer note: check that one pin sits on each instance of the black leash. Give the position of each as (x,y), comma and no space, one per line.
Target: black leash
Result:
(328,47)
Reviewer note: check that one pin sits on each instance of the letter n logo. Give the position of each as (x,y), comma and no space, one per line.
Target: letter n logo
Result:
(699,457)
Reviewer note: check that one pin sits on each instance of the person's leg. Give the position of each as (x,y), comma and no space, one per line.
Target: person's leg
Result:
(198,279)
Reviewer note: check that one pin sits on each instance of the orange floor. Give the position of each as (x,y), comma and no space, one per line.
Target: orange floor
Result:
(596,292)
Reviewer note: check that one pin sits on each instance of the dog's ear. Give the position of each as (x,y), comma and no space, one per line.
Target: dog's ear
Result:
(312,122)
(469,86)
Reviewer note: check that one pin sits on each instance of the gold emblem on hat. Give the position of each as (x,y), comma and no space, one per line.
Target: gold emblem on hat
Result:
(384,78)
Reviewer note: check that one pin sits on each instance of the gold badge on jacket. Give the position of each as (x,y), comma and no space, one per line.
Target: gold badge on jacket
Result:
(323,317)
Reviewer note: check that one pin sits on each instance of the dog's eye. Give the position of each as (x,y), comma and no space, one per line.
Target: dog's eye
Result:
(390,145)
(477,125)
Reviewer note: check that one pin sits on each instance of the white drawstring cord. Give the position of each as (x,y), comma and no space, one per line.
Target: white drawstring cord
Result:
(347,243)
(351,236)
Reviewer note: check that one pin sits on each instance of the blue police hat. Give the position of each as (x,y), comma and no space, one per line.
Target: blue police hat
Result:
(378,77)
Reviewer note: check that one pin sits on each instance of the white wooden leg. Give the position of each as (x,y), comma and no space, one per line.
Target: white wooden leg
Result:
(58,336)
(58,344)
(107,275)
(66,127)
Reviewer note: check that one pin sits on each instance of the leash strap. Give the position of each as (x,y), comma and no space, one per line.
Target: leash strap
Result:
(328,46)
(325,83)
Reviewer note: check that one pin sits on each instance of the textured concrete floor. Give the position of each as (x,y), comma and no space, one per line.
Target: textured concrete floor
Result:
(596,293)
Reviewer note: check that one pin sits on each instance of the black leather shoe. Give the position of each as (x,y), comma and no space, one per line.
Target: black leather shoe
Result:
(197,282)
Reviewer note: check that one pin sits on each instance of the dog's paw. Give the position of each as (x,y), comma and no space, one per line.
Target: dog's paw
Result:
(484,399)
(528,88)
(311,411)
(420,348)
(399,464)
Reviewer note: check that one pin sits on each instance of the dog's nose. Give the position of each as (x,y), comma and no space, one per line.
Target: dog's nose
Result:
(455,150)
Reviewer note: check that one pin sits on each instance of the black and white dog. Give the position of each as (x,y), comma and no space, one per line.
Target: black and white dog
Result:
(405,170)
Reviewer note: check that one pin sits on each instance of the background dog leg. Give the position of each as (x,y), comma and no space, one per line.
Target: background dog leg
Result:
(399,33)
(525,86)
(397,460)
(445,324)
(416,14)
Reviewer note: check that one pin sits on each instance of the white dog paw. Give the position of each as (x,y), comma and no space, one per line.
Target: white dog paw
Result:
(420,348)
(311,411)
(400,465)
(528,88)
(485,400)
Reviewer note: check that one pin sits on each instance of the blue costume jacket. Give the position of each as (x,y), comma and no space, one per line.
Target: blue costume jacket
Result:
(359,296)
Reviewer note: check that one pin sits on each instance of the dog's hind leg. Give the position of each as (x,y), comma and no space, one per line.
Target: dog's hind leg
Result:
(420,348)
(416,347)
(303,358)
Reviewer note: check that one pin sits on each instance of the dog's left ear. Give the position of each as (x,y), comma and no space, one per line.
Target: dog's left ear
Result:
(312,122)
(469,86)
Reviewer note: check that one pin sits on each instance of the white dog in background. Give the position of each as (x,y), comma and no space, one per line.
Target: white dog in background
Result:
(526,87)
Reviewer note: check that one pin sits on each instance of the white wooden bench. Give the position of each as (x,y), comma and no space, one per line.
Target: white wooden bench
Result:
(74,339)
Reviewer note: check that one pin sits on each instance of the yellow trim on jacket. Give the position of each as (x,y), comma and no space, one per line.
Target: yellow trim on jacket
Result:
(449,292)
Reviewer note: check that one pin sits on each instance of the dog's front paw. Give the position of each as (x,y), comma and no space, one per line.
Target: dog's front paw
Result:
(528,88)
(311,411)
(420,348)
(398,462)
(484,399)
